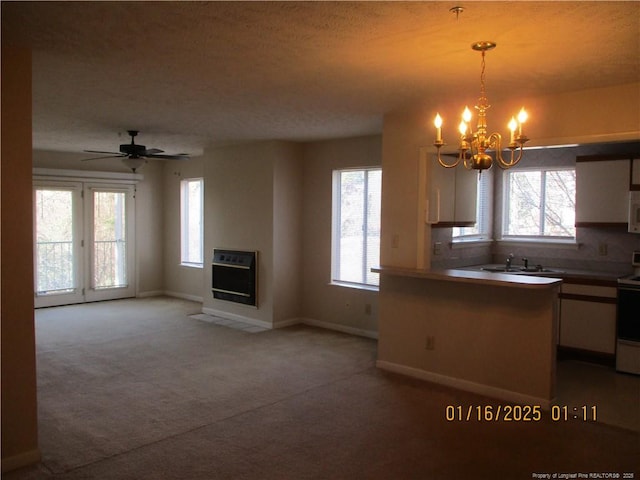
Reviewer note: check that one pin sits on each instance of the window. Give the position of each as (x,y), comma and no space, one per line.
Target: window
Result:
(481,231)
(191,221)
(356,226)
(540,203)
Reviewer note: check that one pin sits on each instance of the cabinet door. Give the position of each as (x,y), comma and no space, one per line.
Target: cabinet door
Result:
(441,192)
(588,325)
(588,317)
(635,174)
(466,196)
(602,192)
(451,194)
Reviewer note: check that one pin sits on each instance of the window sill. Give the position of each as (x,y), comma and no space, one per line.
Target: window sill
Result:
(551,243)
(357,286)
(192,265)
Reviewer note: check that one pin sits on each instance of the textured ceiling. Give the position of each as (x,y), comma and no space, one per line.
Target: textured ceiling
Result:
(192,74)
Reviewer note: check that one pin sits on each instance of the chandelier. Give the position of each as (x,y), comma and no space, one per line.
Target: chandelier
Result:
(474,145)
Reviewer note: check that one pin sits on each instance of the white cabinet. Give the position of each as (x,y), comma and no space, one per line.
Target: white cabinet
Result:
(602,191)
(466,196)
(588,317)
(451,193)
(635,174)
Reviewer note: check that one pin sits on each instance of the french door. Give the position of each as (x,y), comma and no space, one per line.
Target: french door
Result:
(84,242)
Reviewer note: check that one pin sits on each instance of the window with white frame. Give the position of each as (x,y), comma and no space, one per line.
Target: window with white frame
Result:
(539,204)
(481,231)
(191,222)
(356,226)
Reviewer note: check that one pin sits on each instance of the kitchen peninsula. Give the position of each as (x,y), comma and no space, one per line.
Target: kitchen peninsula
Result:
(492,334)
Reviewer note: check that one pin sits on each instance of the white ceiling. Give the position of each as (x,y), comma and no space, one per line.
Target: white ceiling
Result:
(192,74)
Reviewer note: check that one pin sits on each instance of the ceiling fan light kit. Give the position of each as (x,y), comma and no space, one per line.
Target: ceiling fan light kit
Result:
(134,163)
(134,155)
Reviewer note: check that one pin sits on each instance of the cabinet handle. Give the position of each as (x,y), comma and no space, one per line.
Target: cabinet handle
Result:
(428,219)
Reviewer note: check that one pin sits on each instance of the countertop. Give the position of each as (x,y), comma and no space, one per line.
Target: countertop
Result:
(570,275)
(473,276)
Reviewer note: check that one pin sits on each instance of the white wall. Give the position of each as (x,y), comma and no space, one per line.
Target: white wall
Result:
(287,235)
(404,133)
(149,230)
(325,304)
(19,396)
(239,215)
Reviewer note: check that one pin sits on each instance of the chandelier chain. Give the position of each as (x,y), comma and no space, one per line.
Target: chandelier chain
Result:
(483,95)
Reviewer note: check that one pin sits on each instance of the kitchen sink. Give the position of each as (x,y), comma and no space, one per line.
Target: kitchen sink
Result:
(501,270)
(539,270)
(522,270)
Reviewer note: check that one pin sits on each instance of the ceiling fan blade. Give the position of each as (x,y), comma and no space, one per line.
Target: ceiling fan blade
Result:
(99,158)
(151,151)
(99,151)
(179,156)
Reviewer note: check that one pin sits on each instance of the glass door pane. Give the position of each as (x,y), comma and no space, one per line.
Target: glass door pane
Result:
(54,242)
(109,220)
(57,268)
(110,240)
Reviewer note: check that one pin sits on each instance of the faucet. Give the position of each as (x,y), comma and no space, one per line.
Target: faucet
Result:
(525,261)
(509,260)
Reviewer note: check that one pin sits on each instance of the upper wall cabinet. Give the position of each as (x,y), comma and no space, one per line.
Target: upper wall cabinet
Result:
(466,196)
(635,174)
(451,195)
(602,191)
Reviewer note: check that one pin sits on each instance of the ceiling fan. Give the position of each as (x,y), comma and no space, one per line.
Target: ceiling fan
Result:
(134,156)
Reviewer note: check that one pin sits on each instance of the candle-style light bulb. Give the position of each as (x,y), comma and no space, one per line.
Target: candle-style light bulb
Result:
(522,117)
(466,115)
(512,126)
(438,123)
(463,128)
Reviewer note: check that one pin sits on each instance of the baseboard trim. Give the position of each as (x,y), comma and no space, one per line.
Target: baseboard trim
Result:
(291,321)
(340,328)
(150,293)
(23,459)
(600,358)
(236,317)
(466,385)
(288,322)
(184,296)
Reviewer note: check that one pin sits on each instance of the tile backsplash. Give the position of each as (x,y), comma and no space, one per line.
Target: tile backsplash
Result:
(597,249)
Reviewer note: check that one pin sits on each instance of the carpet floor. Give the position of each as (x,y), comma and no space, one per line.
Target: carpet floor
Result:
(144,389)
